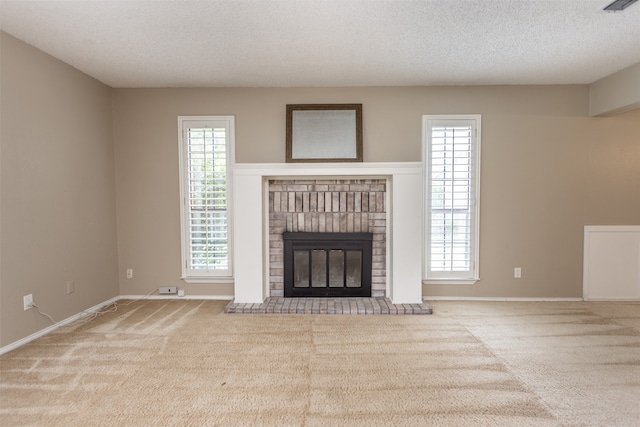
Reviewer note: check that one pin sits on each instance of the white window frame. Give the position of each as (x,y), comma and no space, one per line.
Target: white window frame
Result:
(189,274)
(472,275)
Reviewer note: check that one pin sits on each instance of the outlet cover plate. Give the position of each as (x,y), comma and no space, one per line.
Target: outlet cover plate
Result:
(28,301)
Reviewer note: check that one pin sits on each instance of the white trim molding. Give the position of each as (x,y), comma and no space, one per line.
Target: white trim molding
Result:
(451,148)
(511,299)
(450,281)
(202,186)
(404,219)
(177,297)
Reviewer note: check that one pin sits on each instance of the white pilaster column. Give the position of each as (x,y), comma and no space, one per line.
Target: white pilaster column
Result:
(248,271)
(406,237)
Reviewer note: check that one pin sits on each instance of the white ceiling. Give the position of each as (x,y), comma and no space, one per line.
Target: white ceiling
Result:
(189,43)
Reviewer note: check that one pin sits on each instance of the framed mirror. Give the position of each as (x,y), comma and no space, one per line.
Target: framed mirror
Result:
(324,133)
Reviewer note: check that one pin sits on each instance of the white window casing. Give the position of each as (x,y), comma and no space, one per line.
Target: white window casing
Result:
(206,160)
(451,159)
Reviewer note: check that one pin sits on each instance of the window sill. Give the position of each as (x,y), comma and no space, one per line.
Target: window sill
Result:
(208,280)
(450,281)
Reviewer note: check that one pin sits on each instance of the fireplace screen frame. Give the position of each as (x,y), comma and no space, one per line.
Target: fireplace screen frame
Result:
(345,242)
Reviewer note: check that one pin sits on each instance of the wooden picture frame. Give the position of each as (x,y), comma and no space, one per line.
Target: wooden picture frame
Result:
(324,133)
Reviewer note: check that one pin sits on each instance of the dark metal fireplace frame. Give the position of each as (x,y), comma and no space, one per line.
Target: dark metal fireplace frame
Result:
(327,241)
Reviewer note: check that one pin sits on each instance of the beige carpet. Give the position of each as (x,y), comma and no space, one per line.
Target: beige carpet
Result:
(186,363)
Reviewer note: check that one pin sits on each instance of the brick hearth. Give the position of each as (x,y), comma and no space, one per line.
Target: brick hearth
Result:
(280,305)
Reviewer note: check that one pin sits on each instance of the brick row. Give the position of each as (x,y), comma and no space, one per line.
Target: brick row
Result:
(342,201)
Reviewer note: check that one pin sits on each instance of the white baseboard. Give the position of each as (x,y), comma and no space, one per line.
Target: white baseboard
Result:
(441,298)
(55,326)
(175,296)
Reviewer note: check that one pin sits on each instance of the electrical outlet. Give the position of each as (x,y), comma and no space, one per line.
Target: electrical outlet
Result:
(28,301)
(71,287)
(129,273)
(168,290)
(517,272)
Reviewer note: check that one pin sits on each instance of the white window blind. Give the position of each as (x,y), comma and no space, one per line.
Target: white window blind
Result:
(205,172)
(451,193)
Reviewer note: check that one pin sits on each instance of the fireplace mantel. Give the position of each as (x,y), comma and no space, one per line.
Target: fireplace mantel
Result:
(404,216)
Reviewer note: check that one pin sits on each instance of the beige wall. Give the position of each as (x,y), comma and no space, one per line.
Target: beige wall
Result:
(547,170)
(57,190)
(616,93)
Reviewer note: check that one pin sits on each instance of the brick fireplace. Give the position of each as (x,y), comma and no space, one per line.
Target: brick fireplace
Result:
(327,206)
(380,198)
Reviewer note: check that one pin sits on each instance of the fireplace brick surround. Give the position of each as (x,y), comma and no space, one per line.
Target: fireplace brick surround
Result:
(325,206)
(402,203)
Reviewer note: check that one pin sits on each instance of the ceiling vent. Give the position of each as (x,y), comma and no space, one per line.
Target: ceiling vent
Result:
(619,5)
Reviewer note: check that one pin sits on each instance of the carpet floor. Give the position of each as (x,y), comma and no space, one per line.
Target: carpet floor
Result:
(186,363)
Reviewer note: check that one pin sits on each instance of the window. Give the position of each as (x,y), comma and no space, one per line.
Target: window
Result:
(206,156)
(452,172)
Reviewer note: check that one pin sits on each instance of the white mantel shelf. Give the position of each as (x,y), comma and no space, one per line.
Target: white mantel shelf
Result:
(327,169)
(404,214)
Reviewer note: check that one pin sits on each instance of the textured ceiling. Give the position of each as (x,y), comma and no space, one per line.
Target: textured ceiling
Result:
(330,42)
